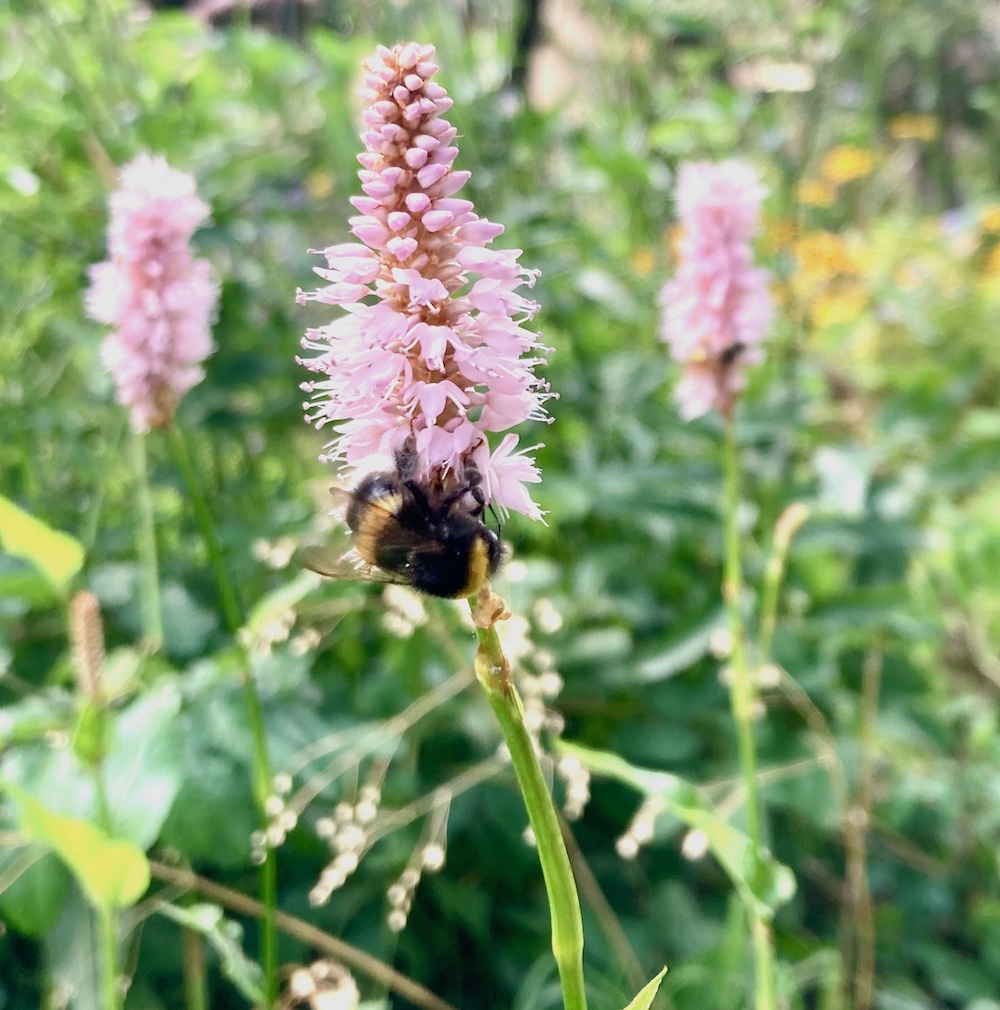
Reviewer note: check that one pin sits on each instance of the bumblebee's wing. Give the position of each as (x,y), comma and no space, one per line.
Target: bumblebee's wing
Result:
(340,564)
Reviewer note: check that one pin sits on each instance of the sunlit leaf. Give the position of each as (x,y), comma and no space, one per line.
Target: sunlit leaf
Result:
(57,555)
(113,873)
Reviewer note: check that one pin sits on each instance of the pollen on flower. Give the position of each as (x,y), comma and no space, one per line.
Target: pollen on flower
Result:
(432,343)
(717,308)
(158,299)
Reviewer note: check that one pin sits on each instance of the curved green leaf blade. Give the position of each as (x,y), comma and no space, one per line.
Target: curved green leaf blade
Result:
(731,847)
(644,997)
(114,874)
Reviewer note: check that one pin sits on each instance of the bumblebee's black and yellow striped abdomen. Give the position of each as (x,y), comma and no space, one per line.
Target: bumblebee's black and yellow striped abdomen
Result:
(433,543)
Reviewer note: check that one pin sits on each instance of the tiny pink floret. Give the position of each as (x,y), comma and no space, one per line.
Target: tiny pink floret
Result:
(156,296)
(433,349)
(718,308)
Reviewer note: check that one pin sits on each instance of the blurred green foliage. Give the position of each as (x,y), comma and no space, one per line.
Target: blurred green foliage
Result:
(877,407)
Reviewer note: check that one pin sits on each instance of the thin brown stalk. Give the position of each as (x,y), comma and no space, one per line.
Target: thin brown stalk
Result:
(301,930)
(858,897)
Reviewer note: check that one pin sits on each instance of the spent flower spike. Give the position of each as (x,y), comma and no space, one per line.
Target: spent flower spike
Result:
(157,297)
(717,308)
(431,345)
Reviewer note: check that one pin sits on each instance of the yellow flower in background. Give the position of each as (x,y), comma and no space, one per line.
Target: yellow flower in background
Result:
(846,163)
(837,306)
(991,265)
(672,239)
(816,192)
(913,126)
(642,261)
(989,218)
(319,185)
(779,234)
(822,255)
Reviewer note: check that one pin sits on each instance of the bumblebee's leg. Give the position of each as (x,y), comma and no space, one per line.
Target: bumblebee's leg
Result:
(406,460)
(474,480)
(419,497)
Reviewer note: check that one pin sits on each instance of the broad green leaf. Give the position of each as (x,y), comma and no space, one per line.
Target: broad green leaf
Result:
(644,998)
(58,555)
(33,885)
(73,954)
(113,873)
(143,767)
(226,938)
(731,847)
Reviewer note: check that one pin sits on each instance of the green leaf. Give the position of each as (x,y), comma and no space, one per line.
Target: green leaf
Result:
(114,874)
(731,847)
(644,997)
(73,954)
(143,767)
(33,886)
(57,555)
(187,626)
(226,938)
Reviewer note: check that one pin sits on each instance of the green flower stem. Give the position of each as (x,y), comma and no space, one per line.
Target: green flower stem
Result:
(255,711)
(110,992)
(741,696)
(230,604)
(152,614)
(493,672)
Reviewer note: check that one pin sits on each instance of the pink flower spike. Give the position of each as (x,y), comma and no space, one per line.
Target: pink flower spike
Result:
(158,299)
(718,308)
(433,350)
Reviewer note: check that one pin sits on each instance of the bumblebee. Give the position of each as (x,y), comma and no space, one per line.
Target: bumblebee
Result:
(414,534)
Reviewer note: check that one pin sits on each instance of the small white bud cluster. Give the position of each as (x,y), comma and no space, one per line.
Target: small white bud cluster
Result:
(547,619)
(276,555)
(261,639)
(640,831)
(404,611)
(538,691)
(576,776)
(769,676)
(721,643)
(305,641)
(281,819)
(427,858)
(758,709)
(348,834)
(324,985)
(695,844)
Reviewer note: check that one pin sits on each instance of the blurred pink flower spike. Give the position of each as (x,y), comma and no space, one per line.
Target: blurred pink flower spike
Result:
(157,297)
(718,308)
(432,343)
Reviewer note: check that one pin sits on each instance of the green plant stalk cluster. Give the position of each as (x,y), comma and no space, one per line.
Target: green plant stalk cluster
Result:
(255,712)
(741,697)
(493,672)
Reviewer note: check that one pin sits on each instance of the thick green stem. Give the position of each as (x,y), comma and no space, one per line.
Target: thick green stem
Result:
(255,711)
(227,594)
(741,696)
(493,672)
(152,615)
(110,992)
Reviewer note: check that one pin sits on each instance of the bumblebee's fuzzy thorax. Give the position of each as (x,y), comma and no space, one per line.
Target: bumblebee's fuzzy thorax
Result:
(417,534)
